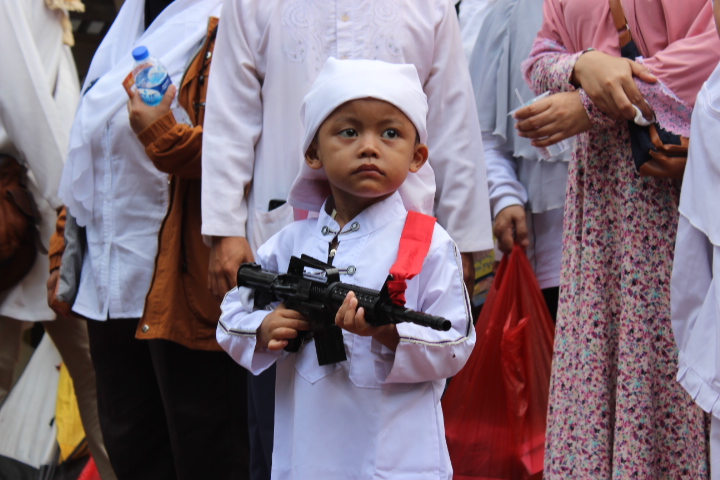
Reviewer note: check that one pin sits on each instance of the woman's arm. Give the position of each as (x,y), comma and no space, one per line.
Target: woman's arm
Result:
(174,148)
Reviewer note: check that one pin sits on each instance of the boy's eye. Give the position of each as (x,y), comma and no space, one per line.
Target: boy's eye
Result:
(391,134)
(348,133)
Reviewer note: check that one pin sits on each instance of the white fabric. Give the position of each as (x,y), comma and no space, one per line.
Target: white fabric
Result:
(378,414)
(172,37)
(699,205)
(695,290)
(339,82)
(471,17)
(26,418)
(715,448)
(38,94)
(268,55)
(109,182)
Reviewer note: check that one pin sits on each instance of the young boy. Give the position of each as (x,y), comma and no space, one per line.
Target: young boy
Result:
(695,292)
(378,414)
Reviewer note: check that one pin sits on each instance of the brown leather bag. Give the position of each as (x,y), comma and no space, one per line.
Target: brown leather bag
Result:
(19,217)
(657,153)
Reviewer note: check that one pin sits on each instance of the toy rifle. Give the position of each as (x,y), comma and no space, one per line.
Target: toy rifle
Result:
(318,295)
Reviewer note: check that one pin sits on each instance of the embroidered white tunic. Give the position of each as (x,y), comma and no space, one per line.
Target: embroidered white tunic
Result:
(378,414)
(270,52)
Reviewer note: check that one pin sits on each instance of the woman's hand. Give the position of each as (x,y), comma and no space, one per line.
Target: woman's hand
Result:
(552,119)
(143,115)
(609,83)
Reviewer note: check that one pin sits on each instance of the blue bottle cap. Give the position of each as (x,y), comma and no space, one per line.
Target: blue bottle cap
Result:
(140,53)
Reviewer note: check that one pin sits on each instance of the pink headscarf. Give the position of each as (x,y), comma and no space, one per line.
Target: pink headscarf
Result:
(677,38)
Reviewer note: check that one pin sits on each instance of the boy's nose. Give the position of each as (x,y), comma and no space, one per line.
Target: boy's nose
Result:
(369,147)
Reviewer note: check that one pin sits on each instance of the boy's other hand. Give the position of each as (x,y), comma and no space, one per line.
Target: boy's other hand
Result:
(143,115)
(279,326)
(351,318)
(226,256)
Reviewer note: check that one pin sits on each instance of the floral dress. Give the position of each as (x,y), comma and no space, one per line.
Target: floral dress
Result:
(616,410)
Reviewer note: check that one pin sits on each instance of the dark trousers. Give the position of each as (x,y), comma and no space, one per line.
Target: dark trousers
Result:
(167,411)
(261,414)
(551,296)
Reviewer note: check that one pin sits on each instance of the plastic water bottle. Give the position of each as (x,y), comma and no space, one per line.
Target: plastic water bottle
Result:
(151,78)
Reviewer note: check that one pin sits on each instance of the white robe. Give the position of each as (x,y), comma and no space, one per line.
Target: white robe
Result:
(39,90)
(695,291)
(270,52)
(378,414)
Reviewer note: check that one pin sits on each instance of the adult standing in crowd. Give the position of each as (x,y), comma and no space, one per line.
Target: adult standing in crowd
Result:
(527,192)
(38,96)
(695,291)
(616,410)
(268,54)
(171,404)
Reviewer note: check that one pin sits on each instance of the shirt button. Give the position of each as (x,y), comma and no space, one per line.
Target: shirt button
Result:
(355,226)
(351,270)
(145,328)
(345,18)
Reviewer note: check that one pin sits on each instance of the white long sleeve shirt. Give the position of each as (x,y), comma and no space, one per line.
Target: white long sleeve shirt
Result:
(378,414)
(39,91)
(269,53)
(516,174)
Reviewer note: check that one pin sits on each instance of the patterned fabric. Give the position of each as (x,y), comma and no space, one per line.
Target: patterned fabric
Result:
(616,411)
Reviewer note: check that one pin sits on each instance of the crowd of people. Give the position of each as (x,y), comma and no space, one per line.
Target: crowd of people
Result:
(393,142)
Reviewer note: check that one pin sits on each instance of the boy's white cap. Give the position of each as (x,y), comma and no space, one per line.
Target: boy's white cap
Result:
(339,82)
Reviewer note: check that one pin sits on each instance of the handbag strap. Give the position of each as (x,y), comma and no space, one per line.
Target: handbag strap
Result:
(620,22)
(414,246)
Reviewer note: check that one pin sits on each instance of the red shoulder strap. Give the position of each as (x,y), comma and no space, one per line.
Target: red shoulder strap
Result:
(414,246)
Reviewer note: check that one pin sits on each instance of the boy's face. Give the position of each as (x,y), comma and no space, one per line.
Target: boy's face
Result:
(367,147)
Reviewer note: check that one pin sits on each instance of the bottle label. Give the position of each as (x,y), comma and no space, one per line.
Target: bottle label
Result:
(151,83)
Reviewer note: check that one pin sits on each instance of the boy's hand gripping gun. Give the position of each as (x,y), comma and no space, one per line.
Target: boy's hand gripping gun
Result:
(318,296)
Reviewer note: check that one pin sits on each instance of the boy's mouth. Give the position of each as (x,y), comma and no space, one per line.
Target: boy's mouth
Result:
(368,167)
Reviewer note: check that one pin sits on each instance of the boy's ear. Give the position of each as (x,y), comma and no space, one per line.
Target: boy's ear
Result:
(420,156)
(312,158)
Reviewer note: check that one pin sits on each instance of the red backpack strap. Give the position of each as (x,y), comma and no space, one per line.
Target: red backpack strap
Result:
(414,246)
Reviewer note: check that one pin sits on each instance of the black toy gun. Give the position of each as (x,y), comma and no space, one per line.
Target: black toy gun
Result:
(318,295)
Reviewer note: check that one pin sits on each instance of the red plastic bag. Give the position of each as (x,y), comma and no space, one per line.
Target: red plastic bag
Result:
(496,407)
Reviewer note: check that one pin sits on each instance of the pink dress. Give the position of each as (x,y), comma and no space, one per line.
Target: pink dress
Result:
(616,410)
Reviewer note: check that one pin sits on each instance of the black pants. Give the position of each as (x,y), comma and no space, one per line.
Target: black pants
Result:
(551,296)
(167,411)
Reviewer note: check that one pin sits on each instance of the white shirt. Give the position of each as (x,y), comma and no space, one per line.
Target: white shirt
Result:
(378,414)
(270,52)
(516,174)
(131,200)
(695,289)
(39,90)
